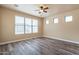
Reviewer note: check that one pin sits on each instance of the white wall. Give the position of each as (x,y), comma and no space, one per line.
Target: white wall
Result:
(7,26)
(66,31)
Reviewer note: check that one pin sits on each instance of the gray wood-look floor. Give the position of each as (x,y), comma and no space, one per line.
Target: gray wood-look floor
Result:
(40,46)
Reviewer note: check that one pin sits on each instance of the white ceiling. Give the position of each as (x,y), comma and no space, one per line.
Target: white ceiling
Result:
(53,8)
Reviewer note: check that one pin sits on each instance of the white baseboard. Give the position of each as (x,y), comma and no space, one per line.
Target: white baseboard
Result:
(62,39)
(2,43)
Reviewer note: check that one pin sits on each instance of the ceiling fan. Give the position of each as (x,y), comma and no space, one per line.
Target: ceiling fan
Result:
(42,9)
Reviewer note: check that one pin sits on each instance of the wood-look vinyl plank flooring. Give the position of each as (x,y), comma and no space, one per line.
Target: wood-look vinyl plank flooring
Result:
(40,46)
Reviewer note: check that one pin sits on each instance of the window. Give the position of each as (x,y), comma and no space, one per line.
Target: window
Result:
(68,18)
(47,22)
(28,24)
(19,25)
(55,20)
(25,25)
(35,26)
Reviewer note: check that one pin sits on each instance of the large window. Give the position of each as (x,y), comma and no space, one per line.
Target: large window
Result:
(19,25)
(28,23)
(25,25)
(35,26)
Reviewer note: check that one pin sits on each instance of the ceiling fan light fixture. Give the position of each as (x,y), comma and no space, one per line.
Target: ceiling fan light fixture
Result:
(41,10)
(16,5)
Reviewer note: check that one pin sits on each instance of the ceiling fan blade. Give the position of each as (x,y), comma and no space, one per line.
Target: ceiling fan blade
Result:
(46,8)
(16,5)
(44,11)
(39,12)
(36,10)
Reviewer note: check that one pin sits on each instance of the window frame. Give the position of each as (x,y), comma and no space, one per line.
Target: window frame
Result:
(47,22)
(55,22)
(67,21)
(25,26)
(35,26)
(15,26)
